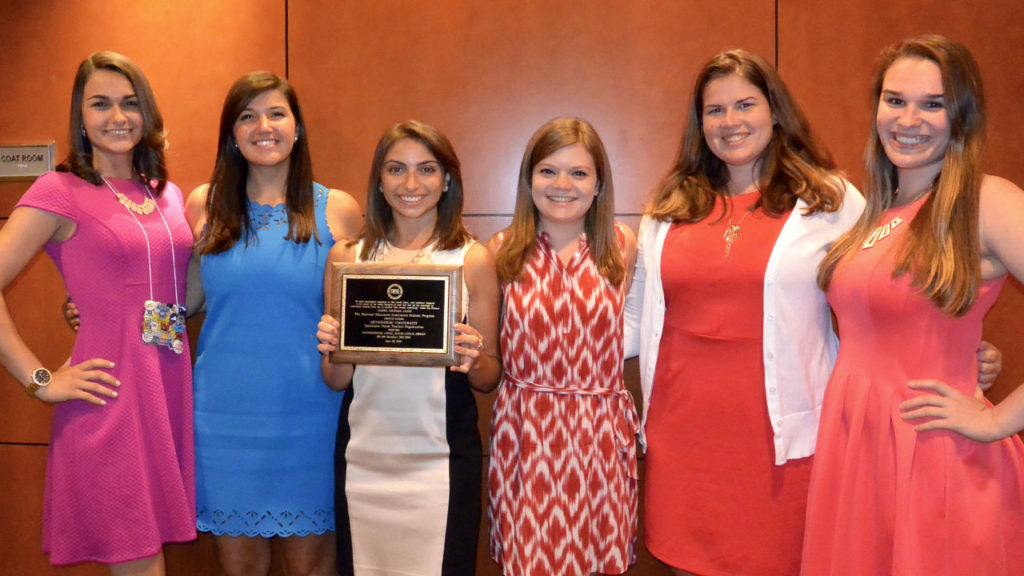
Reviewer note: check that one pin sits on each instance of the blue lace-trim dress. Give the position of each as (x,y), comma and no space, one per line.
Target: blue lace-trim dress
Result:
(265,420)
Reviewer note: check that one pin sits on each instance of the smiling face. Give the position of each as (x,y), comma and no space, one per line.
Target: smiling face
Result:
(564,185)
(412,180)
(112,118)
(737,123)
(912,121)
(265,130)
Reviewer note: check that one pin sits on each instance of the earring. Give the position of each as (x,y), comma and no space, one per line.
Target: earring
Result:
(447,180)
(445,189)
(235,143)
(82,127)
(296,138)
(380,187)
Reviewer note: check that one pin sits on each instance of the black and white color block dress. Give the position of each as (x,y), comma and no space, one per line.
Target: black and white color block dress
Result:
(408,465)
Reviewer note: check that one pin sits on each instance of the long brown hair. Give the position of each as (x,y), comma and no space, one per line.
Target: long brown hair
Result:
(148,155)
(942,249)
(227,213)
(792,166)
(520,238)
(449,232)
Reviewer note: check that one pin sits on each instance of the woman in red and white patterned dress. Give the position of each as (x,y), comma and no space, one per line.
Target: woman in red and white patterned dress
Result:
(562,481)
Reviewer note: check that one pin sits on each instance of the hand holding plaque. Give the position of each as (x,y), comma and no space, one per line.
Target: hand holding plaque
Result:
(401,314)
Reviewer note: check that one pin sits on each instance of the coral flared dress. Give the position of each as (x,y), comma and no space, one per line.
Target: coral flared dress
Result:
(885,499)
(716,503)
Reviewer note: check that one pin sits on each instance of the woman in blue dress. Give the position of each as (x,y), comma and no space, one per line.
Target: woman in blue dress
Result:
(265,422)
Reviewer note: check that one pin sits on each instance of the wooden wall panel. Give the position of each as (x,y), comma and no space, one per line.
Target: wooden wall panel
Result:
(486,73)
(490,73)
(827,53)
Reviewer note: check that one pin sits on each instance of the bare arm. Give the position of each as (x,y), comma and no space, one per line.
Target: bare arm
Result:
(477,341)
(1002,239)
(195,215)
(336,376)
(344,216)
(21,238)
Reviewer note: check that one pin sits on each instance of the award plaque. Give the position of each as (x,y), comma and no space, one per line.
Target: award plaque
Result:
(400,314)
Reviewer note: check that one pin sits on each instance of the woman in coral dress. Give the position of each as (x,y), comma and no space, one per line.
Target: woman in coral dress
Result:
(910,285)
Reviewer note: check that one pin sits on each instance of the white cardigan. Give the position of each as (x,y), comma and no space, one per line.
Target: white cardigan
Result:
(799,344)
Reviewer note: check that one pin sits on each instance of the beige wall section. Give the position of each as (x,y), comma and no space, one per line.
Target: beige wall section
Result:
(827,54)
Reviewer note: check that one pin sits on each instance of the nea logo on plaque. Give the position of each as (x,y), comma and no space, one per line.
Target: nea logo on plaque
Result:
(396,313)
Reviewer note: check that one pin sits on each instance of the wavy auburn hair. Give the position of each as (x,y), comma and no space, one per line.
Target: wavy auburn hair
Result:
(792,166)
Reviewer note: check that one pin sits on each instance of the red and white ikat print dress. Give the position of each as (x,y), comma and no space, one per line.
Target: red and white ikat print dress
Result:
(562,482)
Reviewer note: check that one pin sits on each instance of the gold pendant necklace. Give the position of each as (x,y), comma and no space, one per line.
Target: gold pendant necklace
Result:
(143,209)
(732,232)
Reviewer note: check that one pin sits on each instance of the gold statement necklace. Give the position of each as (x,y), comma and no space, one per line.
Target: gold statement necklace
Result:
(143,209)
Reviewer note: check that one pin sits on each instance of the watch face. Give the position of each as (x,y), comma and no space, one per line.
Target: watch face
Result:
(41,376)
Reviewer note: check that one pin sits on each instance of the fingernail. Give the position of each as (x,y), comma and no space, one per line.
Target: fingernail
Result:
(114,395)
(103,402)
(111,364)
(117,383)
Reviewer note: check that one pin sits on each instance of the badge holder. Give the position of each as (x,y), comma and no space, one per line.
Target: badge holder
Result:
(163,324)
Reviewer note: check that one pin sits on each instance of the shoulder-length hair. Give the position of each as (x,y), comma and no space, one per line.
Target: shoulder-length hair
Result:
(520,239)
(449,232)
(148,155)
(227,213)
(792,166)
(941,250)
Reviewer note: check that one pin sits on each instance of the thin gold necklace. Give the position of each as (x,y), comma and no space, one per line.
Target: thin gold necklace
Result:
(385,250)
(732,232)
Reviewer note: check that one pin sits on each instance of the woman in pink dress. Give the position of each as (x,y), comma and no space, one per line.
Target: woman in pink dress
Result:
(119,474)
(910,285)
(562,483)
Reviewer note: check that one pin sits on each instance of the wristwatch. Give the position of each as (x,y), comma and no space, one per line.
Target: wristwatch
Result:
(40,379)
